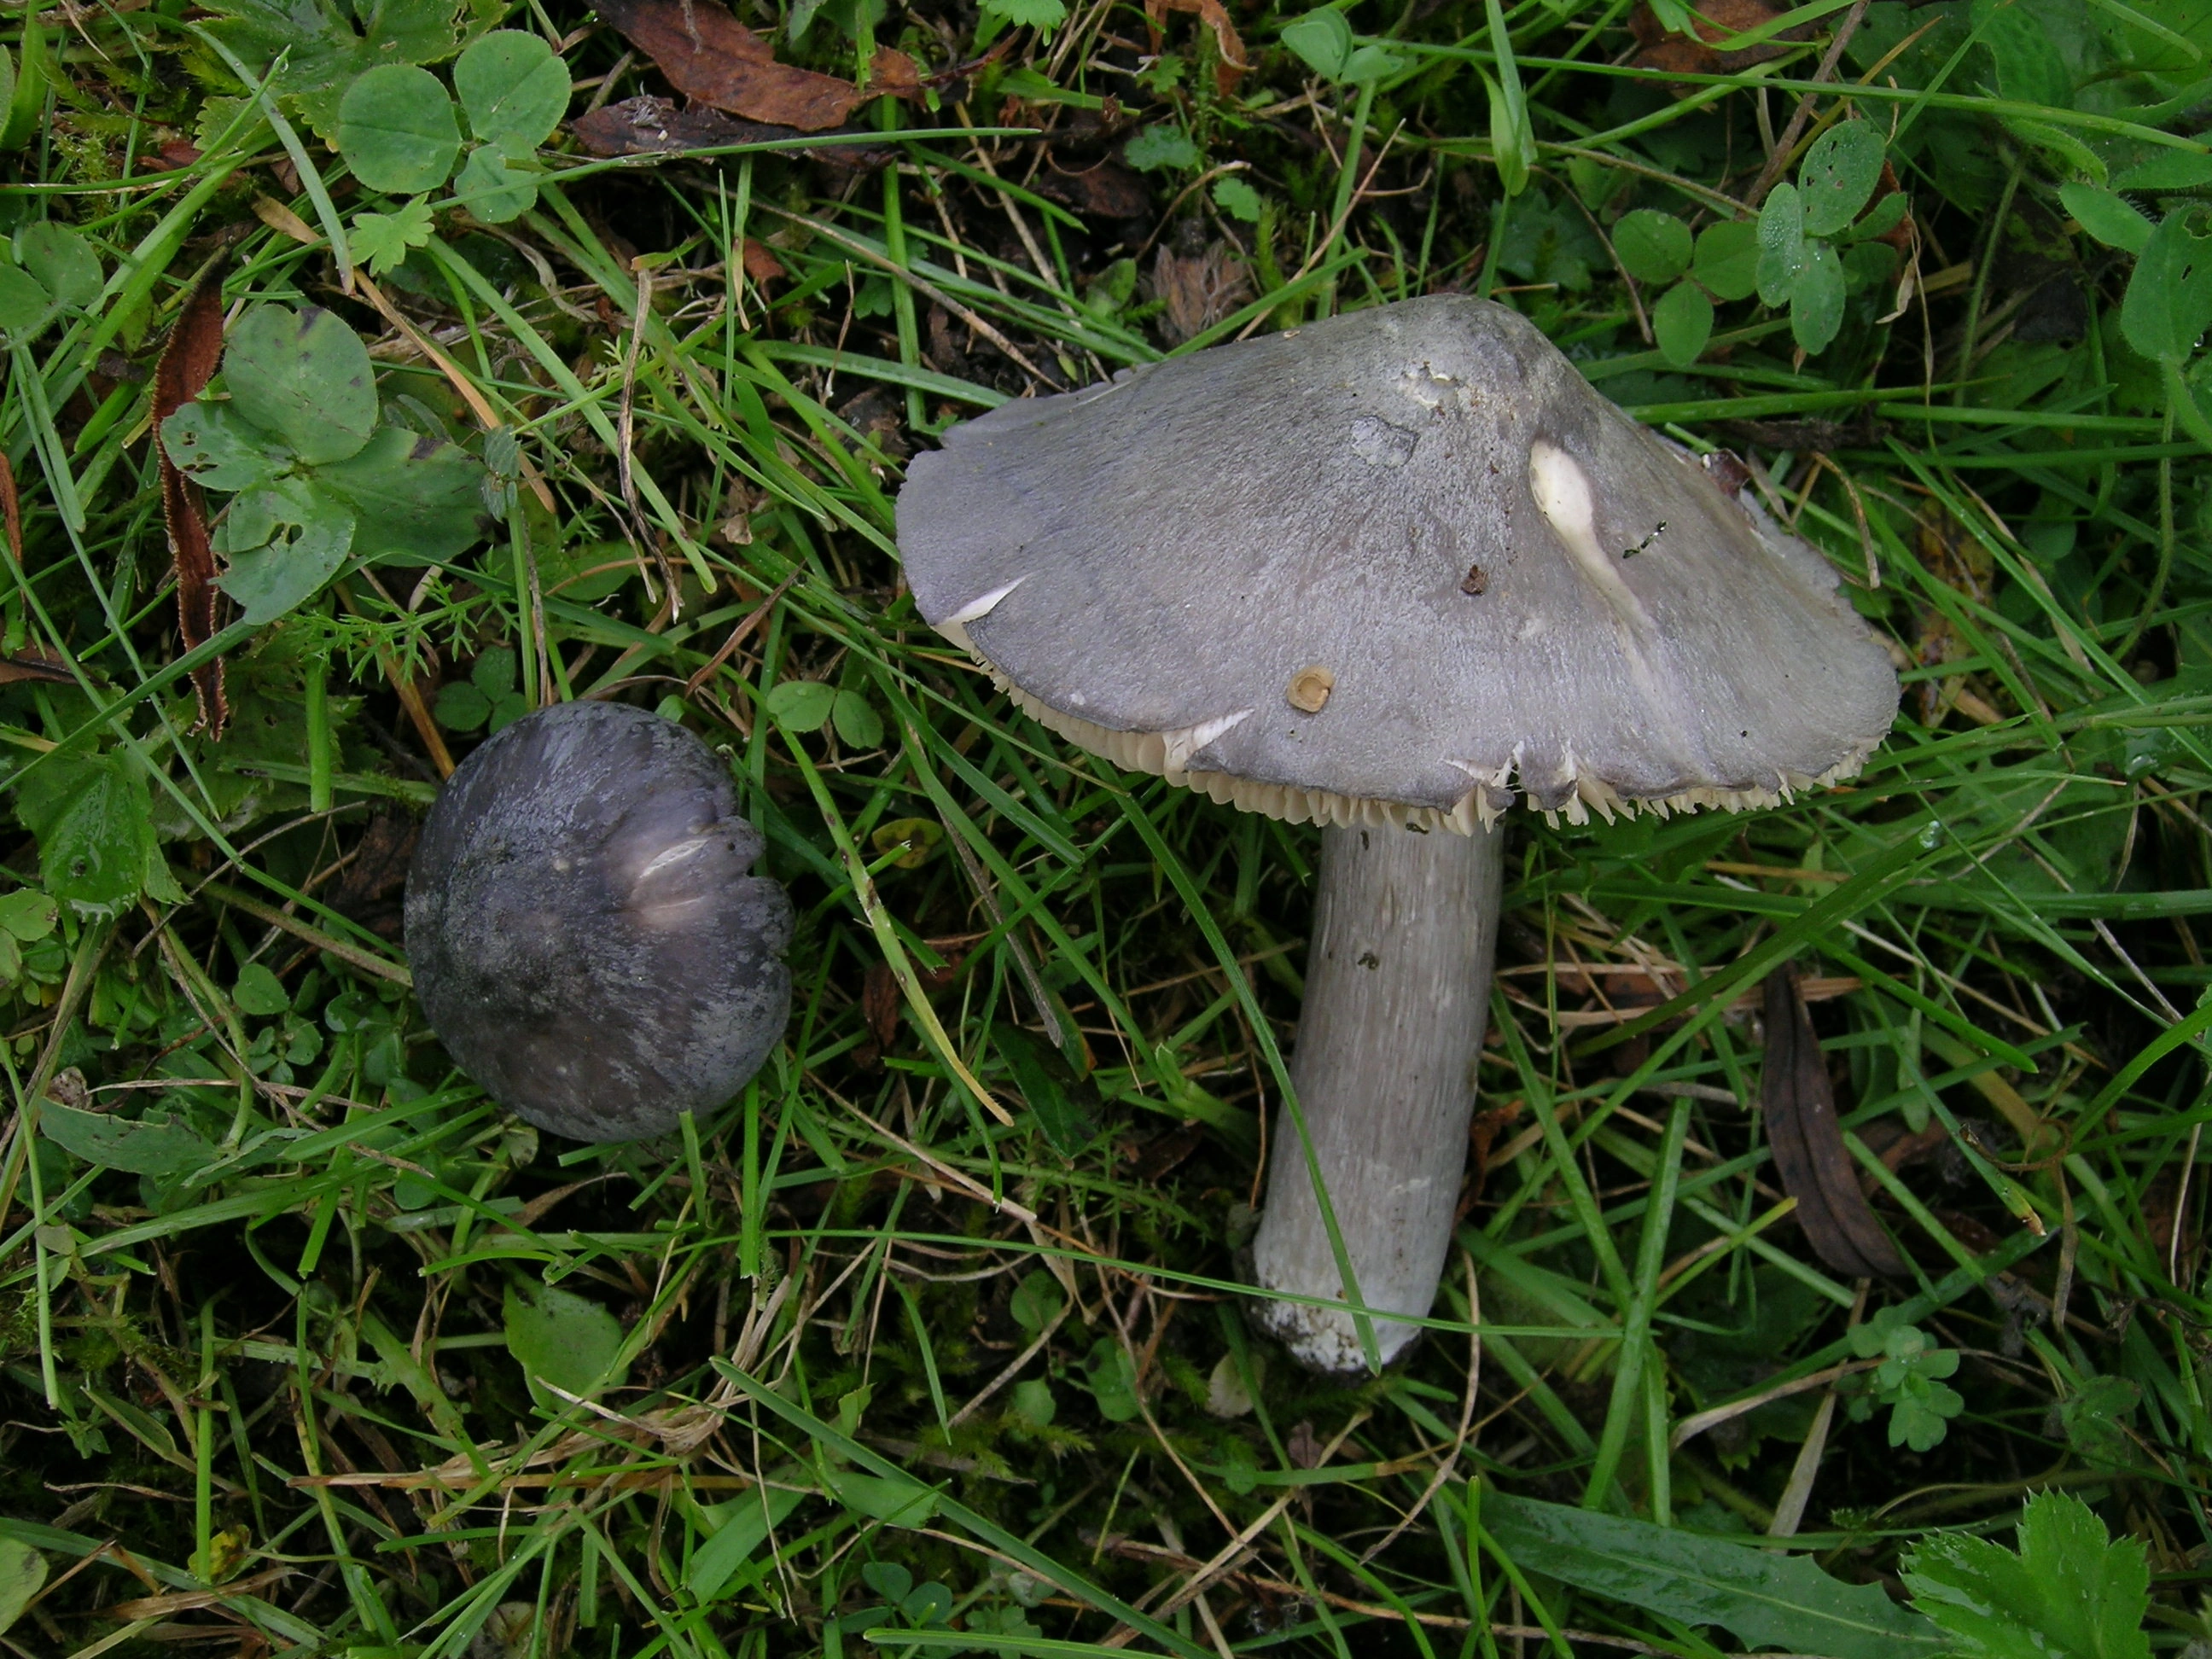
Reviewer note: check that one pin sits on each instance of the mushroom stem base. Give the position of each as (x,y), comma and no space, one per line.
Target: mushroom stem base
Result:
(1397,995)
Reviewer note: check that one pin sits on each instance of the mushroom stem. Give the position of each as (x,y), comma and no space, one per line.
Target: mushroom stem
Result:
(1397,995)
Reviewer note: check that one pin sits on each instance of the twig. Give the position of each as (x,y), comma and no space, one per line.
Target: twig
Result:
(1778,162)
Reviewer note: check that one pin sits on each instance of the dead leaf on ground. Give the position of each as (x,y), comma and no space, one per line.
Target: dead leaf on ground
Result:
(1106,189)
(707,55)
(35,663)
(656,126)
(1197,290)
(188,363)
(1214,15)
(1713,19)
(761,263)
(1816,1167)
(1163,1154)
(1482,1136)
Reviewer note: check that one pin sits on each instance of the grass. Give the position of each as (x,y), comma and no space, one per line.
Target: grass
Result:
(269,1391)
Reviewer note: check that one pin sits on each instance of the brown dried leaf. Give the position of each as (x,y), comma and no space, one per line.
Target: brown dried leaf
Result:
(1215,16)
(880,1004)
(188,363)
(761,263)
(1106,189)
(1197,290)
(1815,1166)
(707,55)
(656,126)
(1713,19)
(35,663)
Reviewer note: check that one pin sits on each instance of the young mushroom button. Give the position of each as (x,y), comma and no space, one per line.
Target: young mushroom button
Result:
(584,935)
(1388,573)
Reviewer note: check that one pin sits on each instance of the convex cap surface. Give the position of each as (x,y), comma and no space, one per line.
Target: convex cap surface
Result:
(582,930)
(1397,566)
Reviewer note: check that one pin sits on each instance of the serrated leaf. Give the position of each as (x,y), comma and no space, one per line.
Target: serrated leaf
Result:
(2072,1592)
(217,448)
(62,261)
(1160,147)
(514,88)
(493,190)
(1029,14)
(564,1339)
(1838,174)
(1816,299)
(397,130)
(159,1148)
(94,827)
(2170,169)
(1653,246)
(801,705)
(1782,254)
(1727,262)
(1237,198)
(415,497)
(1682,324)
(383,241)
(2108,218)
(309,534)
(304,377)
(2168,303)
(1762,1596)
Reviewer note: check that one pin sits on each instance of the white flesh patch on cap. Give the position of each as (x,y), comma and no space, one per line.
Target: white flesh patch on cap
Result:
(662,895)
(984,605)
(1182,744)
(1562,493)
(1563,496)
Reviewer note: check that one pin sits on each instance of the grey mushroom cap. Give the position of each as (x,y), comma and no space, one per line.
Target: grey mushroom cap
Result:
(582,929)
(1397,566)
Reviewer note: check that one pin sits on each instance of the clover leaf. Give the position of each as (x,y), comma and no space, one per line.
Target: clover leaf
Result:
(1653,246)
(397,130)
(304,376)
(315,479)
(514,90)
(54,270)
(1909,1380)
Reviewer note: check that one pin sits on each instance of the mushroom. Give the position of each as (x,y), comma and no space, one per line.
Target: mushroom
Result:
(1382,573)
(583,934)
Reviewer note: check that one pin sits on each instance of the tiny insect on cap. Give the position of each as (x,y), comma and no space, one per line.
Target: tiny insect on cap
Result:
(1511,587)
